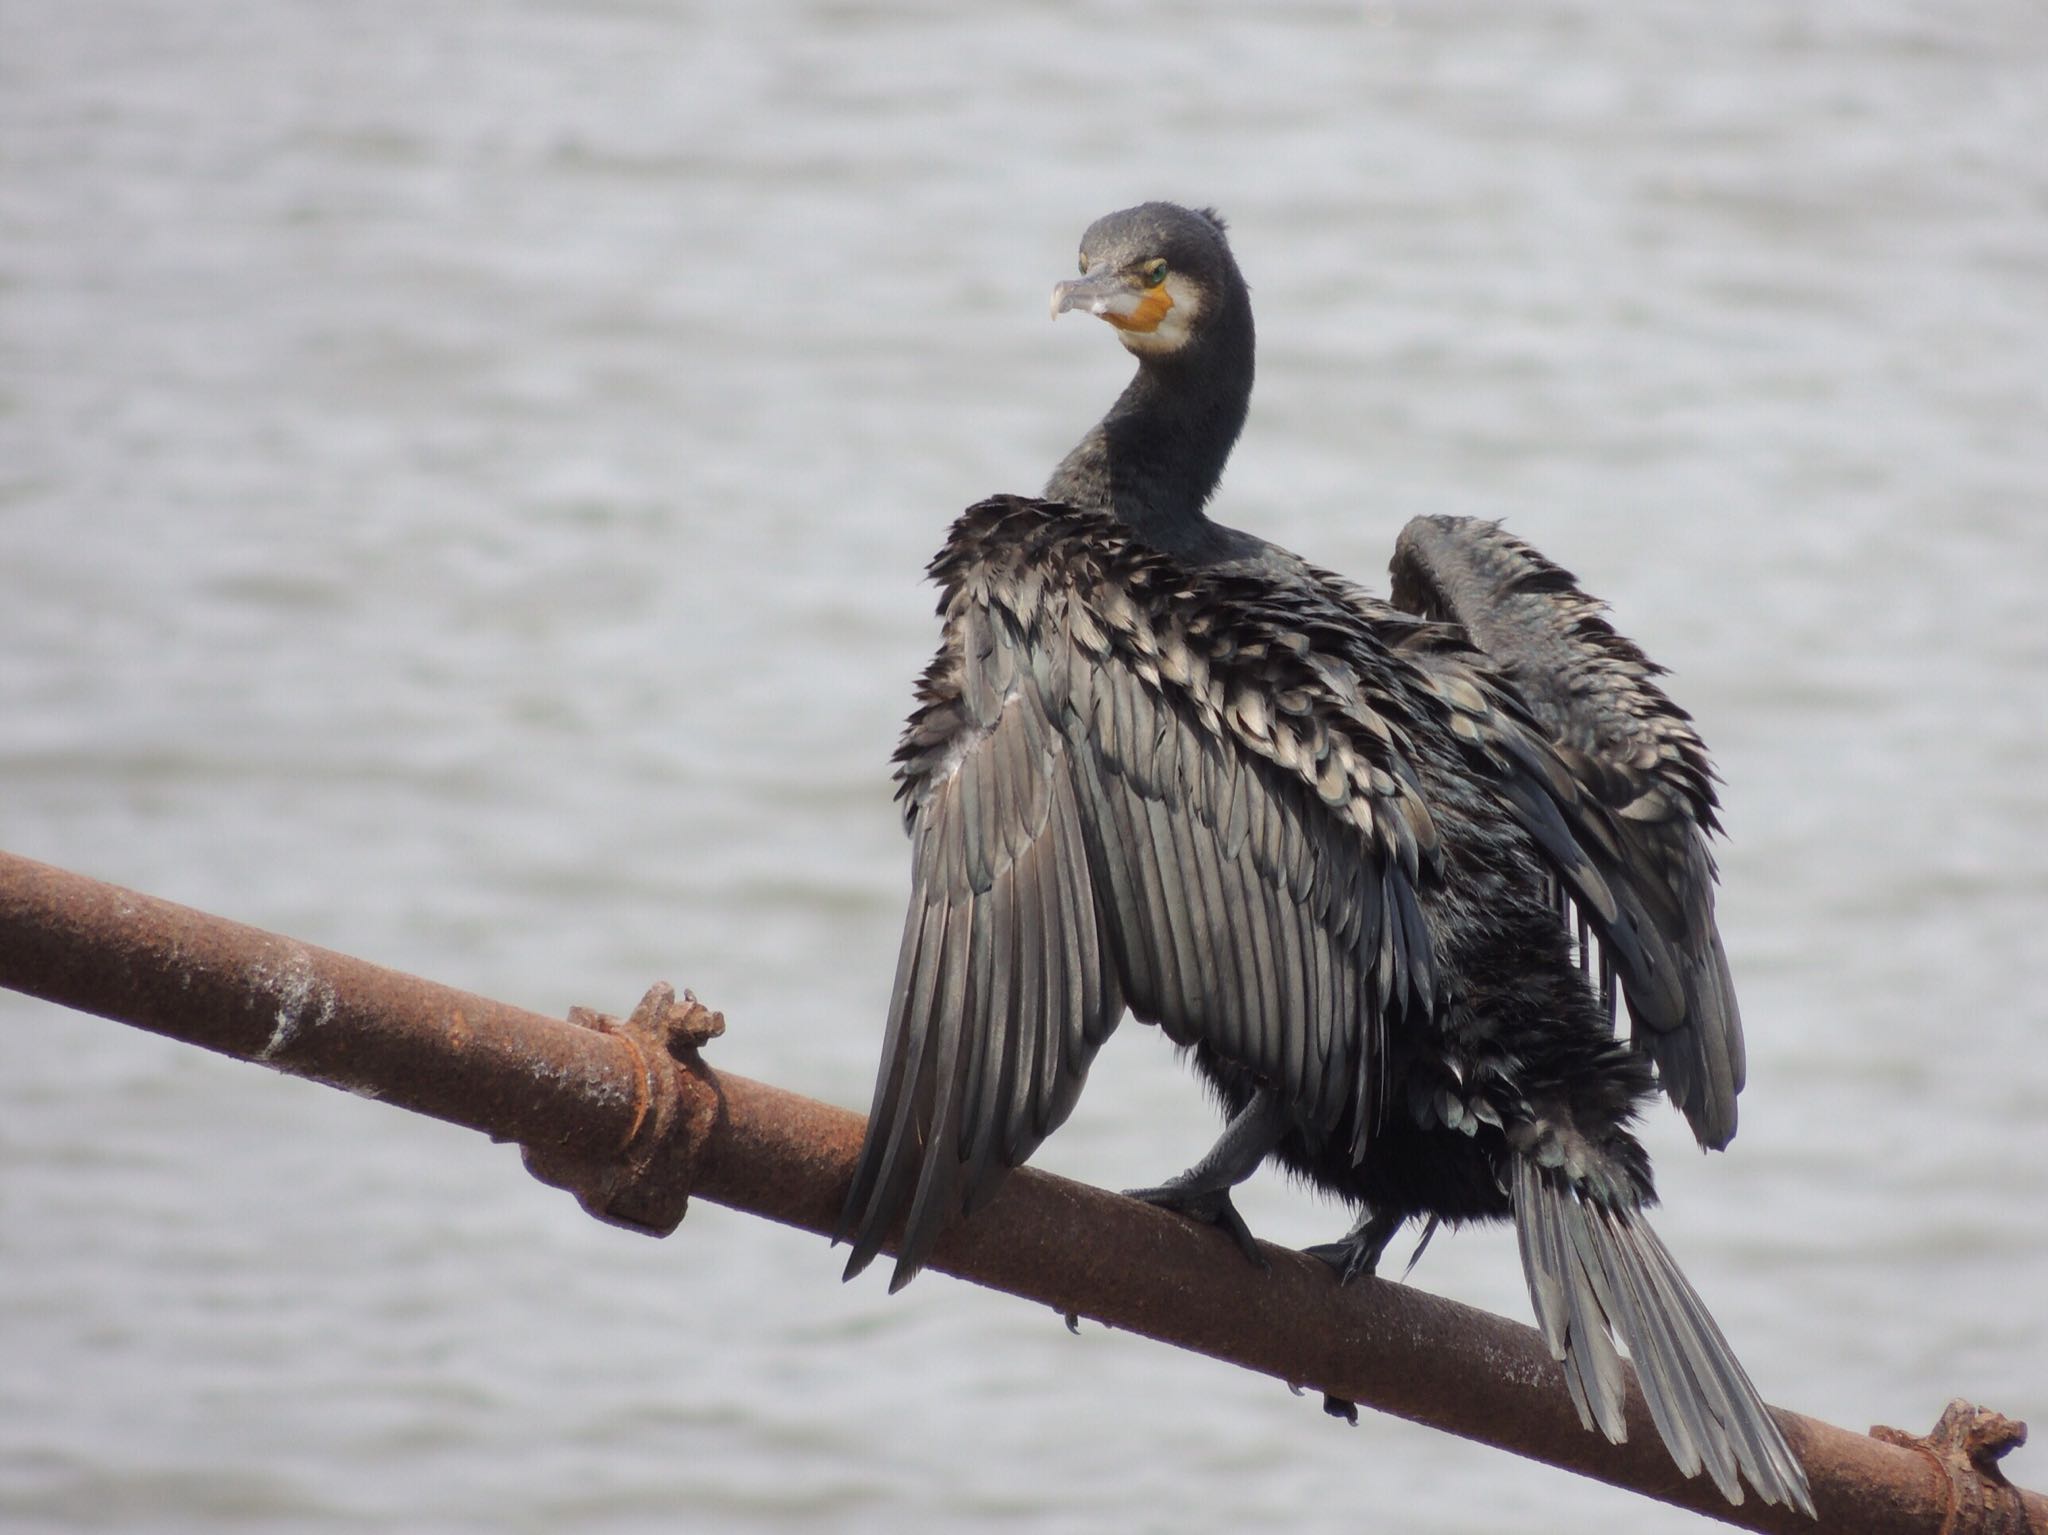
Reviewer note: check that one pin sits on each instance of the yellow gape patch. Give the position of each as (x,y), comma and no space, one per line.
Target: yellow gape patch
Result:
(1162,319)
(1146,317)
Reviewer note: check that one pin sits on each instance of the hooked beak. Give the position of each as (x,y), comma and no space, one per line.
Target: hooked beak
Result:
(1104,292)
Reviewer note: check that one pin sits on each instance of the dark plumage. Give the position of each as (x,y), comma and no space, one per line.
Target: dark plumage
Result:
(1380,868)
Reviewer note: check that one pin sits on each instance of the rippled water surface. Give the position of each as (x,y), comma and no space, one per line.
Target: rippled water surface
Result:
(465,472)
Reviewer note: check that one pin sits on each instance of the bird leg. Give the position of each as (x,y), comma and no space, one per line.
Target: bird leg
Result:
(1203,1191)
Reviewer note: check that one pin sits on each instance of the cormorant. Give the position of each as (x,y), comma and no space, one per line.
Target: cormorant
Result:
(1379,867)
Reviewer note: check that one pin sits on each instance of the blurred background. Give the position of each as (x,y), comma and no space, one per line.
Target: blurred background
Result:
(465,476)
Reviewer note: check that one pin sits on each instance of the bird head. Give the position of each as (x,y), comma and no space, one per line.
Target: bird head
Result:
(1151,271)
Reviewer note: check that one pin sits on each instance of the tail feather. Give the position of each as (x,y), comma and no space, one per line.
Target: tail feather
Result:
(1577,1334)
(1595,1270)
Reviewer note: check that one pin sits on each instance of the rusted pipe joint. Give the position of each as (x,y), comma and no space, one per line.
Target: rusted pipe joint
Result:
(1967,1443)
(646,1185)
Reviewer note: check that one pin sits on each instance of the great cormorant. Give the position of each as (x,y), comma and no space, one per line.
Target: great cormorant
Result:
(1380,867)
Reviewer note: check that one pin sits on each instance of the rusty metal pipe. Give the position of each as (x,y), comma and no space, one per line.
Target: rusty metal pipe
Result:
(627,1116)
(314,1013)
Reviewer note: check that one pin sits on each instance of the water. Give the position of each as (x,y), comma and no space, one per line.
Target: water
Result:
(464,478)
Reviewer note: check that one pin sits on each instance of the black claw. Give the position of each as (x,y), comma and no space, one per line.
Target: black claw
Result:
(1337,1407)
(1210,1206)
(1228,1218)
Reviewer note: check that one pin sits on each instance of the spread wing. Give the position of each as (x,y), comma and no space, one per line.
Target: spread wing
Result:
(1004,984)
(1121,790)
(1646,788)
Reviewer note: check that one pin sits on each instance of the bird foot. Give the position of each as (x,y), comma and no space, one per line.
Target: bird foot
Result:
(1211,1206)
(1350,1259)
(1359,1252)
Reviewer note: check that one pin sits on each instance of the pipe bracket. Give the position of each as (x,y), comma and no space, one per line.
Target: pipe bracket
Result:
(1965,1447)
(646,1186)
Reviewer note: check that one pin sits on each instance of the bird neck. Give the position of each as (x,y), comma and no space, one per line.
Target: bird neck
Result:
(1156,458)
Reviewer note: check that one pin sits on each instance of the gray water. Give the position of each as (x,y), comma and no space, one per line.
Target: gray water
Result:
(465,472)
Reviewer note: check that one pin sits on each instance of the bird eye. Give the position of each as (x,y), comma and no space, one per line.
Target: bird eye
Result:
(1155,274)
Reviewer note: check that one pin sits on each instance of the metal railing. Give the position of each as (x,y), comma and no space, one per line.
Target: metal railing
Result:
(626,1115)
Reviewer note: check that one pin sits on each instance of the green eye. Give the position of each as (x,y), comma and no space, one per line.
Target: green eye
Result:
(1084,263)
(1155,274)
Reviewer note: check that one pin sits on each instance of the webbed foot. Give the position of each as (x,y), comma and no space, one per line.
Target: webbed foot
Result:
(1359,1252)
(1212,1206)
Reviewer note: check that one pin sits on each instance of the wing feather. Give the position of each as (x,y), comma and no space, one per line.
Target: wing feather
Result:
(1033,1009)
(1641,801)
(1009,1030)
